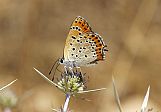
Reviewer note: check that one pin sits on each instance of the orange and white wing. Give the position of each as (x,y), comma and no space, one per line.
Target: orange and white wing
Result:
(78,27)
(87,49)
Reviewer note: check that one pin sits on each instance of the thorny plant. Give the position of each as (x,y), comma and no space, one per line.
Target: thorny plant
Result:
(144,104)
(7,98)
(9,84)
(71,83)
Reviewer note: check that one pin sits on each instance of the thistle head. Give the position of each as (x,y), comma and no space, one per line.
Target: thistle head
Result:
(72,82)
(8,99)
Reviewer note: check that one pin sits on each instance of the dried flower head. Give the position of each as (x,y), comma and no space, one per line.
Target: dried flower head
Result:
(8,98)
(72,82)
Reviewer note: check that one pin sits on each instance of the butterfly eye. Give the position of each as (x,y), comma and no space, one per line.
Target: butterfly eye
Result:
(61,60)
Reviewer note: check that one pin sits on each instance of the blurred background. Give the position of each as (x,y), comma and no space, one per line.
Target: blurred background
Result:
(33,34)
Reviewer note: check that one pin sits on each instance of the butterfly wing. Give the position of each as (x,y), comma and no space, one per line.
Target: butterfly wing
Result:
(83,46)
(78,27)
(87,49)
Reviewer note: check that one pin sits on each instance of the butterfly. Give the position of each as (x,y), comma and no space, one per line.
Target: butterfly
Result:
(83,47)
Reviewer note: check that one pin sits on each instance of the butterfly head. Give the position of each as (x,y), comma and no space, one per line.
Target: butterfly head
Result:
(61,60)
(67,63)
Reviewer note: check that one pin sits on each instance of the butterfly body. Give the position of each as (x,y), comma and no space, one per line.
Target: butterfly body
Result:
(83,47)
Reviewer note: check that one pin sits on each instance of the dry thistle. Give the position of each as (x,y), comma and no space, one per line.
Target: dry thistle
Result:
(144,104)
(71,83)
(8,100)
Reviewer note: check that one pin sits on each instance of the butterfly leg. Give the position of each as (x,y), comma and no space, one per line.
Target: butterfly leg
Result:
(78,69)
(71,69)
(66,71)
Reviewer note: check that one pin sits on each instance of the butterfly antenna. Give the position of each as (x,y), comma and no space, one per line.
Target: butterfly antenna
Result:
(59,70)
(56,69)
(53,66)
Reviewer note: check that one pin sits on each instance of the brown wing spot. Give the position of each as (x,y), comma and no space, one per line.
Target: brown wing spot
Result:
(92,35)
(99,45)
(82,23)
(98,51)
(94,38)
(73,37)
(99,57)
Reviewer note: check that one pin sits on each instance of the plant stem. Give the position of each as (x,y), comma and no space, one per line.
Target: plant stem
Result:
(66,103)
